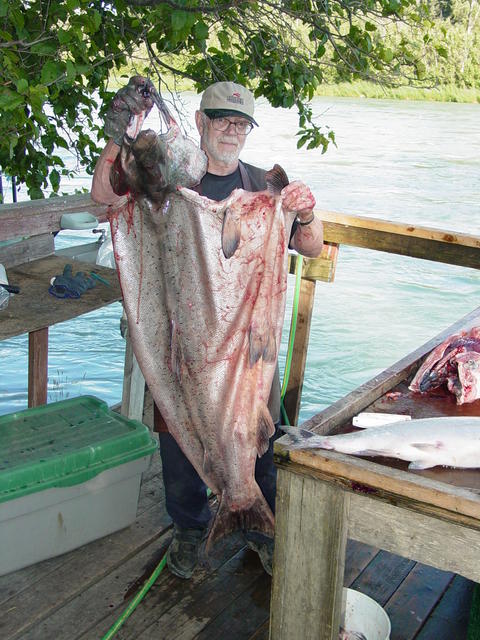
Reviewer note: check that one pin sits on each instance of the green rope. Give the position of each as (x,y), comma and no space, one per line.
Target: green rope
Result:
(291,338)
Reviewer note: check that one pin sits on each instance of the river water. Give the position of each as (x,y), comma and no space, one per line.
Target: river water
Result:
(413,162)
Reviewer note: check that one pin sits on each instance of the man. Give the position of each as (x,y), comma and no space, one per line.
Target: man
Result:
(224,120)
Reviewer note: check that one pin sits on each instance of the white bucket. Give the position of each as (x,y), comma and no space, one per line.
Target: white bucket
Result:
(364,615)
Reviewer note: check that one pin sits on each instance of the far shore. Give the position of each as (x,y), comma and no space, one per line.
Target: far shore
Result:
(363,89)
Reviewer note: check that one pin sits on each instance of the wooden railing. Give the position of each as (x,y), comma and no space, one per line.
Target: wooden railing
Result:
(37,221)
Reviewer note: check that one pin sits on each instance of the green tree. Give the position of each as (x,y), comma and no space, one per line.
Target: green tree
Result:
(56,59)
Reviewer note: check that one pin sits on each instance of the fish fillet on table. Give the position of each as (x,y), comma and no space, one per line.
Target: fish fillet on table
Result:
(204,288)
(425,443)
(454,363)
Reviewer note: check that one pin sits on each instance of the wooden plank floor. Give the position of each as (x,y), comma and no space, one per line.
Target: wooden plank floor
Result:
(79,595)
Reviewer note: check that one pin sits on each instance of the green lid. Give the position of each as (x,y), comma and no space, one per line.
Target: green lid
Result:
(65,443)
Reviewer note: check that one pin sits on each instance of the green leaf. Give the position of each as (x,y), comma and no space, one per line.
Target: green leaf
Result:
(97,19)
(64,36)
(10,100)
(61,142)
(38,96)
(71,70)
(224,39)
(22,86)
(387,55)
(54,179)
(45,48)
(200,30)
(51,71)
(178,19)
(16,18)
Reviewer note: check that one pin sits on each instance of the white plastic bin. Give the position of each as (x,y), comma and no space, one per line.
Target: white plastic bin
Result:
(70,473)
(364,615)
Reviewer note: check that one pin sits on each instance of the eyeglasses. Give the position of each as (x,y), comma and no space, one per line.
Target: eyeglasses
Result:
(242,127)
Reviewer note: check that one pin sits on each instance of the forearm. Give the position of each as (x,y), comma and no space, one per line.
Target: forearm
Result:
(102,191)
(308,239)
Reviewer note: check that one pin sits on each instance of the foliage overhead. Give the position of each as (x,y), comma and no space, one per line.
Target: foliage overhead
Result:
(57,58)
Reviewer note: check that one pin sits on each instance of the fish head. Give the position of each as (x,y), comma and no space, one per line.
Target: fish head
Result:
(152,162)
(187,162)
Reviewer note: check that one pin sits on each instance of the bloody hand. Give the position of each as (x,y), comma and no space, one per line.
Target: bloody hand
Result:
(130,100)
(297,198)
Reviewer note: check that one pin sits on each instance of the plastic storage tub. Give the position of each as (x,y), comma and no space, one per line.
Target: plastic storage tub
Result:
(70,473)
(364,615)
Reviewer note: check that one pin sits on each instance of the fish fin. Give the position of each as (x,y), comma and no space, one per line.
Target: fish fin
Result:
(230,235)
(270,351)
(276,179)
(429,446)
(257,516)
(265,430)
(256,346)
(262,345)
(303,439)
(421,464)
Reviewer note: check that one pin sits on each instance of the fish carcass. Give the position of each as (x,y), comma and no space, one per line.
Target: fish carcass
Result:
(204,288)
(456,363)
(425,443)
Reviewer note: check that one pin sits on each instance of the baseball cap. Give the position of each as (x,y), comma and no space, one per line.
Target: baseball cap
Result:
(228,99)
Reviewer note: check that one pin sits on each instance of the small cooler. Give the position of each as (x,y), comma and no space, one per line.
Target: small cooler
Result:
(70,473)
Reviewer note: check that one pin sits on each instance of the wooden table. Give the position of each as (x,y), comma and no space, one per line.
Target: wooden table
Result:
(323,497)
(33,310)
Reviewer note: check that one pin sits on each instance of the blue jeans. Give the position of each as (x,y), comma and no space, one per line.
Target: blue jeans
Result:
(186,493)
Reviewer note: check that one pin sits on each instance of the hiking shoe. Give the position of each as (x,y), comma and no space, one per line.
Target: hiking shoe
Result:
(264,547)
(184,550)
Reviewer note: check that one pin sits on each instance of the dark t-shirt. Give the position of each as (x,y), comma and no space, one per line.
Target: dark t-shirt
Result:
(220,187)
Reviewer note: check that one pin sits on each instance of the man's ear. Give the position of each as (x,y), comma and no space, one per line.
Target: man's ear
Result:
(199,121)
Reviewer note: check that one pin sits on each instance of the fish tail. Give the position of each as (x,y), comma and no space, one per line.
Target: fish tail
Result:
(257,516)
(303,439)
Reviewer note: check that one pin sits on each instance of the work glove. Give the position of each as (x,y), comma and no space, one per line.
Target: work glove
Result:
(71,286)
(130,100)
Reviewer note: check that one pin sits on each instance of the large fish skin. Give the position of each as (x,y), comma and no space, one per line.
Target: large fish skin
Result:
(205,328)
(455,363)
(425,443)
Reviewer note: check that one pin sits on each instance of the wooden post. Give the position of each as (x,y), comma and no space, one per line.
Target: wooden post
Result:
(309,558)
(37,367)
(293,394)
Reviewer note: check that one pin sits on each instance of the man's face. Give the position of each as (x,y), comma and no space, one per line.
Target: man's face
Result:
(222,146)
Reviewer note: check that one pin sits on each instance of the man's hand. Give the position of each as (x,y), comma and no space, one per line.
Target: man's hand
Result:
(131,100)
(297,198)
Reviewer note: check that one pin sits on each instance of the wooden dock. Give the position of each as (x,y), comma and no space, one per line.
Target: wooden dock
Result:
(79,595)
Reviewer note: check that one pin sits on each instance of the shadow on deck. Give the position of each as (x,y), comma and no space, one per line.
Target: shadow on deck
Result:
(79,595)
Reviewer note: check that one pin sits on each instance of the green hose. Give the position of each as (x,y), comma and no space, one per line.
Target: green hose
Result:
(288,362)
(136,601)
(291,338)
